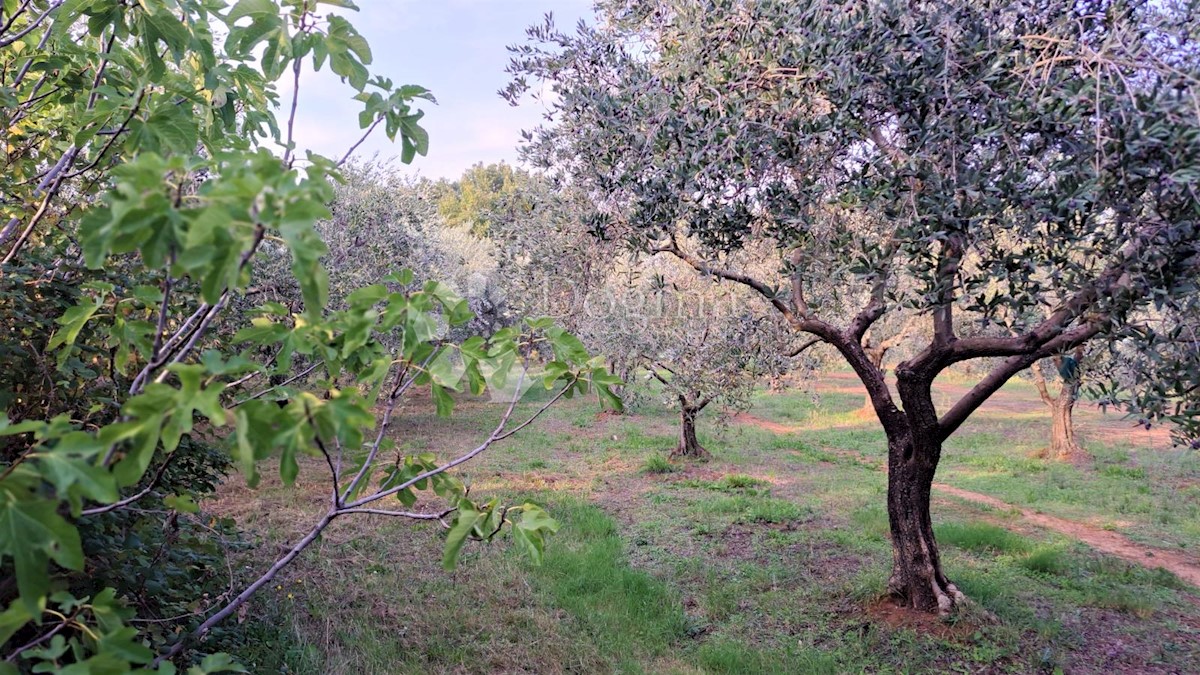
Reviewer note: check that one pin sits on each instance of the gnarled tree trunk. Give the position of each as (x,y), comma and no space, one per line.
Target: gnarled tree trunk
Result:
(914,448)
(917,580)
(1063,443)
(688,445)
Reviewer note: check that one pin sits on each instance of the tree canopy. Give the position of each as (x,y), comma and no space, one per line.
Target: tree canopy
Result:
(968,161)
(145,171)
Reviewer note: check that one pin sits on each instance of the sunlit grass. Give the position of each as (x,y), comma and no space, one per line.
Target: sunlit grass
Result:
(764,559)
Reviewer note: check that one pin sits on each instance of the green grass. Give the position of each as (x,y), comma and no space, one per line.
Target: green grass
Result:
(765,559)
(978,536)
(732,658)
(1154,495)
(1046,560)
(626,612)
(734,482)
(658,463)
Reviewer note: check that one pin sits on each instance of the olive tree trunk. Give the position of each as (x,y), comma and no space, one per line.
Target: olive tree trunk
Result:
(1063,442)
(917,580)
(914,449)
(688,445)
(875,356)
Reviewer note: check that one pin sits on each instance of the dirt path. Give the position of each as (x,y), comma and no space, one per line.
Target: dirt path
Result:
(1104,541)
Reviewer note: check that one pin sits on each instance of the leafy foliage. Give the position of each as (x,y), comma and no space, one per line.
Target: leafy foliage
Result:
(972,162)
(142,145)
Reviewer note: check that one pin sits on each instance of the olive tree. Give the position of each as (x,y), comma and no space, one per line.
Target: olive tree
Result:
(382,221)
(535,232)
(996,157)
(691,335)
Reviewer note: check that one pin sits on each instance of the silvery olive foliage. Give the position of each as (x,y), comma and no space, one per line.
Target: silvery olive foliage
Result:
(536,231)
(996,157)
(636,310)
(691,340)
(382,221)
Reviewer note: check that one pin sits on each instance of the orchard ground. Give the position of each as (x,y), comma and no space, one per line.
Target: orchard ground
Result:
(770,557)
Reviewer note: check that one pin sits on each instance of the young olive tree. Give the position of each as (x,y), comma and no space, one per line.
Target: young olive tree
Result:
(112,112)
(996,157)
(693,335)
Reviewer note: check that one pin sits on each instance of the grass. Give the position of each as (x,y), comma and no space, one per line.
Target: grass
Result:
(628,614)
(768,558)
(658,463)
(1046,560)
(978,536)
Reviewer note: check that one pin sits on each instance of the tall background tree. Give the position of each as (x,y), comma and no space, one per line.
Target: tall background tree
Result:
(967,161)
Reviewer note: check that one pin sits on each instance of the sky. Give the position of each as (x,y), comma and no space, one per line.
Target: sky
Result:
(456,49)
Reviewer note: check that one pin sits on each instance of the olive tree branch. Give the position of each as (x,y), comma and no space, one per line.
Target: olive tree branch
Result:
(804,347)
(995,379)
(703,267)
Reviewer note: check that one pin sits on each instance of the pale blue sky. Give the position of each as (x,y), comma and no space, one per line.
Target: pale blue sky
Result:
(456,48)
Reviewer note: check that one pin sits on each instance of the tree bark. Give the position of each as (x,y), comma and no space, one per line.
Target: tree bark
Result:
(914,448)
(917,580)
(1063,442)
(688,445)
(875,356)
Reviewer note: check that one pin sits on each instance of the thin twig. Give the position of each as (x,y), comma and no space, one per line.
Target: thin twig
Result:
(402,514)
(16,13)
(496,434)
(133,498)
(32,25)
(137,104)
(285,383)
(354,147)
(246,378)
(562,392)
(161,328)
(393,398)
(250,590)
(289,152)
(12,656)
(333,473)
